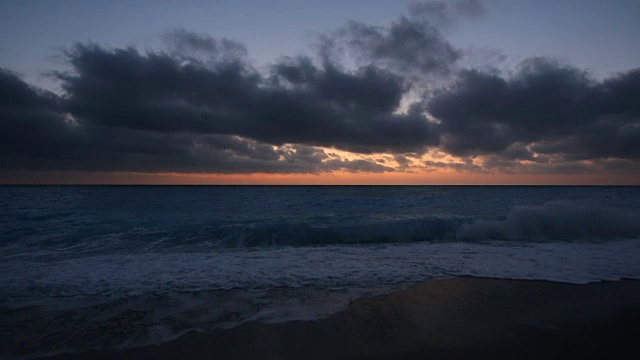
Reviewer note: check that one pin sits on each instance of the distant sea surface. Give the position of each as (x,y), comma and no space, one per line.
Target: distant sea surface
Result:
(85,267)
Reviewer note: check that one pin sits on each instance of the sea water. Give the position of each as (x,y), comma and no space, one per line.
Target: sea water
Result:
(87,267)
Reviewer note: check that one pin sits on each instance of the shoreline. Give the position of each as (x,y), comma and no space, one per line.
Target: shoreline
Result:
(459,318)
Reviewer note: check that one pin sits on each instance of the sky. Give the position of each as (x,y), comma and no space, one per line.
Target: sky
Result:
(310,92)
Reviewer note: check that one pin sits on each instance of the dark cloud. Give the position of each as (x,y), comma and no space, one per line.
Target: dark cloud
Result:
(38,134)
(402,161)
(29,116)
(406,45)
(15,93)
(297,103)
(368,90)
(546,108)
(155,91)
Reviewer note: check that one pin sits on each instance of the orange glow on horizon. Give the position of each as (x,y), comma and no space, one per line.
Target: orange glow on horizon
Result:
(441,177)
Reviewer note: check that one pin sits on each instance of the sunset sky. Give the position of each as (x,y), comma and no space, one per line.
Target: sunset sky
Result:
(320,92)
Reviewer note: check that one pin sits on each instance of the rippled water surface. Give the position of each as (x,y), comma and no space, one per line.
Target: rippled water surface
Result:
(102,267)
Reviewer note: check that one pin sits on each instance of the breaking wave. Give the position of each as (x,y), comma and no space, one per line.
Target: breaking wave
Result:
(556,220)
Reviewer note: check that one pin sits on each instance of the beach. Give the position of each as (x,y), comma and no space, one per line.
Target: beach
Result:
(318,272)
(455,318)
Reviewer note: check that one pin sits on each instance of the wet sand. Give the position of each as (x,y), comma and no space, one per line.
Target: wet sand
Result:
(458,318)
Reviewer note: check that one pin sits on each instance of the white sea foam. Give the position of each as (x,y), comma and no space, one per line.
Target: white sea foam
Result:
(327,266)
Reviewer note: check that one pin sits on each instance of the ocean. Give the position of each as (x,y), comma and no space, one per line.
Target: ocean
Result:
(114,267)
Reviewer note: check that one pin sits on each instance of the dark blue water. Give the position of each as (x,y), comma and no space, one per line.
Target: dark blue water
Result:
(74,220)
(125,266)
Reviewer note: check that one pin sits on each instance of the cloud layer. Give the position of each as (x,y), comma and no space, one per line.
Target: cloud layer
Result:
(545,111)
(200,106)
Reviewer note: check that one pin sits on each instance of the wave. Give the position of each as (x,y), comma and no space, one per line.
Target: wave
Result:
(557,220)
(551,221)
(365,232)
(554,220)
